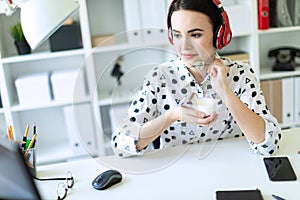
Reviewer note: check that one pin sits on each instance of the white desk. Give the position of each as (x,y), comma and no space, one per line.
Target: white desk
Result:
(172,174)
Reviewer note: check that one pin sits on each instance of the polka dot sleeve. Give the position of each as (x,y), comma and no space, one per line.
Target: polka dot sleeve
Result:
(142,109)
(250,93)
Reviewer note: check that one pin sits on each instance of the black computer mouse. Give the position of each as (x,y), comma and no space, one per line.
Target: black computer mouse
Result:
(107,179)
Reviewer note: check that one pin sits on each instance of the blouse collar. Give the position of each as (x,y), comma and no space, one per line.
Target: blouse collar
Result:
(184,72)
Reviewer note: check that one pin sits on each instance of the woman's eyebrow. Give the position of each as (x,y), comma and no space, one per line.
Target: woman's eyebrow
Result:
(190,31)
(196,29)
(175,31)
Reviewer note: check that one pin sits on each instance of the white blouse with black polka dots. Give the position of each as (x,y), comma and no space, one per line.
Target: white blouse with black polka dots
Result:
(171,84)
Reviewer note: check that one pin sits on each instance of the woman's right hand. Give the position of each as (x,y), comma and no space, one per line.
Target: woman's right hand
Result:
(191,115)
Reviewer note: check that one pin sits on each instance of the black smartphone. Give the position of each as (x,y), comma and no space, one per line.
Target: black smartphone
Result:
(239,194)
(279,169)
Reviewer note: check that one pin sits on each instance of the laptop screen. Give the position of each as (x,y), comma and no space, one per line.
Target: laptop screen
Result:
(16,181)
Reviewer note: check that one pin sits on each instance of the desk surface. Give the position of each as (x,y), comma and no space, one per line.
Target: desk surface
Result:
(178,173)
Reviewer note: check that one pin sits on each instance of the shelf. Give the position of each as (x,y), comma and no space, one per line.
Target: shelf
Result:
(245,34)
(288,125)
(42,55)
(279,30)
(124,46)
(18,108)
(144,44)
(108,101)
(125,96)
(267,73)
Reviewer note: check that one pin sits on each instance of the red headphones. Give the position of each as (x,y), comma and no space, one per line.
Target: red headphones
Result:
(223,34)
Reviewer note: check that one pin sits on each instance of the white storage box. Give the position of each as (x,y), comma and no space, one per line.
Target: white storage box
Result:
(68,85)
(33,89)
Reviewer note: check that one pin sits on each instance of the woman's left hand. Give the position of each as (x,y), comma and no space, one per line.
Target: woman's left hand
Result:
(218,77)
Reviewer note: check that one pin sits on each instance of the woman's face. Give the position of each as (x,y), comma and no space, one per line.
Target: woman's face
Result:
(193,36)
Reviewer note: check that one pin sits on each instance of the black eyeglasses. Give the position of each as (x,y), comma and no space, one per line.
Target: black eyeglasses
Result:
(62,187)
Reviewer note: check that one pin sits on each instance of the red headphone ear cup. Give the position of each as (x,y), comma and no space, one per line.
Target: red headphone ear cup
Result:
(223,35)
(219,37)
(226,31)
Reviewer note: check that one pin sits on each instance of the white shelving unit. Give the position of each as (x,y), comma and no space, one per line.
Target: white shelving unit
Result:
(103,17)
(273,38)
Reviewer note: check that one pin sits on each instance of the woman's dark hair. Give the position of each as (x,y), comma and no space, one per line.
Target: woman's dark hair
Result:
(206,7)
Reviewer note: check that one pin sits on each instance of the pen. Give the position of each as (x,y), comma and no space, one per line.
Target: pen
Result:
(34,132)
(34,128)
(25,136)
(277,197)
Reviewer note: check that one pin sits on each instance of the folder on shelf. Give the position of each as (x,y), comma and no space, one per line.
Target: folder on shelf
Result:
(273,96)
(297,13)
(281,12)
(133,21)
(279,95)
(144,20)
(263,14)
(79,123)
(288,100)
(273,13)
(297,99)
(1,106)
(152,13)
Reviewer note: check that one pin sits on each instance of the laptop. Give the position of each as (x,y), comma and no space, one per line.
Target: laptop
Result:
(16,179)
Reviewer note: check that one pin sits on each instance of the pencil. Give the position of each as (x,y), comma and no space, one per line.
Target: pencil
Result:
(10,133)
(25,135)
(30,144)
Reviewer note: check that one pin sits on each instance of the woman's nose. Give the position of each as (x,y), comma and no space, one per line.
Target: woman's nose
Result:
(186,43)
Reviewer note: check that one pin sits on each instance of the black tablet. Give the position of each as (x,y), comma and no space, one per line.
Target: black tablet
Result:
(279,169)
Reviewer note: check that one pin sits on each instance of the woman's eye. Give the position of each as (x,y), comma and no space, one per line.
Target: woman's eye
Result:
(196,35)
(177,35)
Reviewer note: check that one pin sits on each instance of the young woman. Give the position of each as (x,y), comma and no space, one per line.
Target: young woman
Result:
(163,105)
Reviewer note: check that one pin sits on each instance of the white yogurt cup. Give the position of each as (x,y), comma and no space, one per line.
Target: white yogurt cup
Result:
(206,105)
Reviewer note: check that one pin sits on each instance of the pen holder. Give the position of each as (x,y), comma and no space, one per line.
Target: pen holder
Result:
(29,156)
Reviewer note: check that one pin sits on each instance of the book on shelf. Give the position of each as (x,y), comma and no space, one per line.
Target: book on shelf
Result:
(237,56)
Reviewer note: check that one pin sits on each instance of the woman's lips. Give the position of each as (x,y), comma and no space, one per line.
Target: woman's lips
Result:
(188,56)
